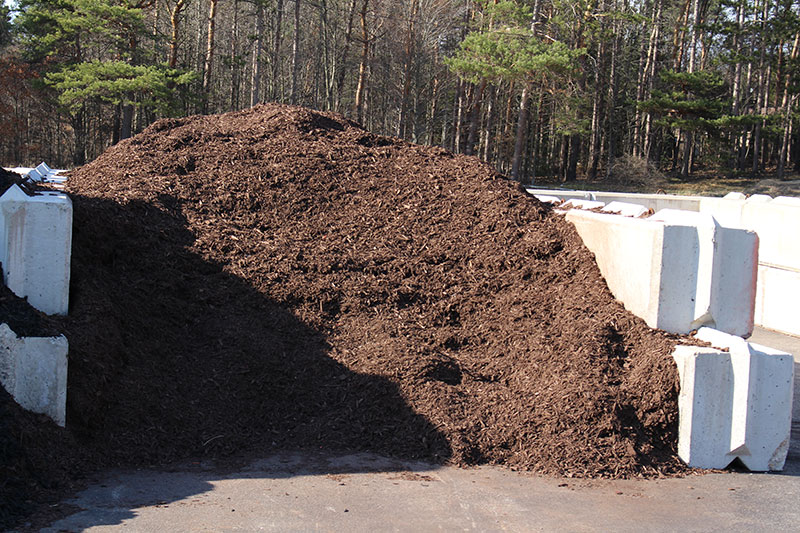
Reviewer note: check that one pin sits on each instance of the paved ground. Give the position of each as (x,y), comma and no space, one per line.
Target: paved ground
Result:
(319,492)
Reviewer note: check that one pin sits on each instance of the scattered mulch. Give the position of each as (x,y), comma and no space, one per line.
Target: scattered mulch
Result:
(8,178)
(281,278)
(23,319)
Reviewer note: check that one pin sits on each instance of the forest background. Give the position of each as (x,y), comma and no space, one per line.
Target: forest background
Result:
(541,89)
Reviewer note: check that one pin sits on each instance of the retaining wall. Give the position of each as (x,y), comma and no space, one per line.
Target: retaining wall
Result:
(676,270)
(774,220)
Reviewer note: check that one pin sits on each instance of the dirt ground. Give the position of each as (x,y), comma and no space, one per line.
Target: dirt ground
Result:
(279,278)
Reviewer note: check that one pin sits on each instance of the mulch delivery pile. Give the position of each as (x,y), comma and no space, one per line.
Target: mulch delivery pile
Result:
(281,278)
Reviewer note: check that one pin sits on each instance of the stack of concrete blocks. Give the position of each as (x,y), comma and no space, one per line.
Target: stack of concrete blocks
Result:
(43,173)
(775,221)
(35,248)
(735,402)
(677,270)
(772,219)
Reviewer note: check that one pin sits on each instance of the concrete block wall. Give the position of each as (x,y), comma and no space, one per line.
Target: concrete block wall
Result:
(775,221)
(34,371)
(778,275)
(735,402)
(35,247)
(676,270)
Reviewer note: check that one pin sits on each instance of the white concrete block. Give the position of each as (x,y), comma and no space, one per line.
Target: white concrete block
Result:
(34,371)
(791,201)
(35,247)
(735,196)
(650,201)
(727,211)
(625,209)
(561,194)
(777,299)
(759,198)
(43,169)
(775,222)
(655,202)
(705,406)
(760,402)
(583,204)
(544,198)
(34,175)
(734,280)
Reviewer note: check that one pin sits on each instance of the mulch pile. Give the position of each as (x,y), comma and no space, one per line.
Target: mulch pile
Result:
(280,277)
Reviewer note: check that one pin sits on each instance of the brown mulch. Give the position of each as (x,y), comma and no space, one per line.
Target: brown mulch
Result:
(279,277)
(8,178)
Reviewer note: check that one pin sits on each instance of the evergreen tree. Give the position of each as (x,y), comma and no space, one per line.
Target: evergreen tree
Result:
(88,51)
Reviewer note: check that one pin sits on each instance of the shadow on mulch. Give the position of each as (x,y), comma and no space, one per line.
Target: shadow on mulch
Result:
(207,368)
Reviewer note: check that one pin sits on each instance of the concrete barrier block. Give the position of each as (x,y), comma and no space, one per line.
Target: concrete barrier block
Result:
(34,372)
(625,209)
(727,211)
(36,243)
(734,280)
(735,196)
(777,299)
(759,198)
(705,406)
(544,198)
(726,262)
(562,194)
(771,220)
(43,169)
(34,175)
(583,204)
(761,400)
(656,202)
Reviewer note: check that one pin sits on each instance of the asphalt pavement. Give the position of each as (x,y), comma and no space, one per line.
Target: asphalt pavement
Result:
(295,491)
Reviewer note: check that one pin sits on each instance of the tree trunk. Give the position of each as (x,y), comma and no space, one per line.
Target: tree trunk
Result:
(212,22)
(688,135)
(597,105)
(474,120)
(362,68)
(407,62)
(174,16)
(788,103)
(348,38)
(258,46)
(295,52)
(613,85)
(488,145)
(275,83)
(762,84)
(126,127)
(79,131)
(234,104)
(522,129)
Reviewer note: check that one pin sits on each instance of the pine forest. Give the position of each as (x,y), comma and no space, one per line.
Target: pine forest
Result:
(553,90)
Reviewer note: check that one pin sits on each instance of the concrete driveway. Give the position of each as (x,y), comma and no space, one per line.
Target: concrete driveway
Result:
(295,491)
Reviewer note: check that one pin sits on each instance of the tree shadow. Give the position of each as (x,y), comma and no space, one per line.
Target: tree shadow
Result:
(174,357)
